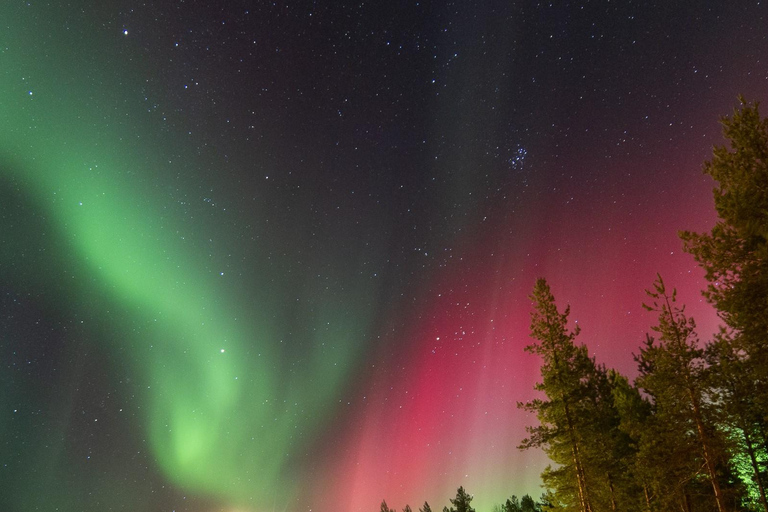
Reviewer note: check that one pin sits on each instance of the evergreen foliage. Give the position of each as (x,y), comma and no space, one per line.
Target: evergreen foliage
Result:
(512,505)
(734,253)
(578,421)
(462,502)
(691,433)
(528,505)
(524,504)
(673,372)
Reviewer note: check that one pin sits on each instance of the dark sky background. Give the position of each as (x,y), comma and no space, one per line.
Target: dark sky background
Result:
(276,256)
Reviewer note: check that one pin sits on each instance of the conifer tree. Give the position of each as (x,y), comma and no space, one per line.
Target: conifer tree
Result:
(462,502)
(646,472)
(547,501)
(512,504)
(734,253)
(565,370)
(672,371)
(527,504)
(612,450)
(735,393)
(425,508)
(608,449)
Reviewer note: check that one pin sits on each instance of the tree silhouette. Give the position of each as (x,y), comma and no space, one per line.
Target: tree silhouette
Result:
(462,502)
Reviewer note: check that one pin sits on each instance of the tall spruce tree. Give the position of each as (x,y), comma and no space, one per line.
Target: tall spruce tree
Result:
(425,508)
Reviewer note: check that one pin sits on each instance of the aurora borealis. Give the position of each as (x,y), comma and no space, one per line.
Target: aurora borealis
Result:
(258,256)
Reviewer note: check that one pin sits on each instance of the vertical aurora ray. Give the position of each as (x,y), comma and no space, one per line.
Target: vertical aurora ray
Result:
(223,414)
(445,413)
(447,416)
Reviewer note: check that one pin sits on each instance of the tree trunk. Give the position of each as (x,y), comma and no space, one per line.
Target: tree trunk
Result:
(755,467)
(709,459)
(613,493)
(647,497)
(580,477)
(686,502)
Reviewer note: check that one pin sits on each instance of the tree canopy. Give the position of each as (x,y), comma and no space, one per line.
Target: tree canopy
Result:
(690,433)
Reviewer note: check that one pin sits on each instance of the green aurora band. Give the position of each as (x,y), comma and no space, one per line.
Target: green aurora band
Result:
(224,409)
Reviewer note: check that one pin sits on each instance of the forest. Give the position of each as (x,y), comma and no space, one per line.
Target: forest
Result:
(690,432)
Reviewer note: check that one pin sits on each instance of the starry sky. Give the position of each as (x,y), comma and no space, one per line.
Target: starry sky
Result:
(263,256)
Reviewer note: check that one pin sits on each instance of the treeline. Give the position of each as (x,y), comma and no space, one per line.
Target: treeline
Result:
(690,433)
(463,503)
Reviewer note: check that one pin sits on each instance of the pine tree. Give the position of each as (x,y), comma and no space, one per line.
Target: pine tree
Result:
(512,504)
(547,502)
(385,508)
(644,474)
(734,253)
(407,508)
(462,501)
(425,508)
(735,393)
(565,372)
(672,371)
(668,460)
(527,504)
(611,452)
(524,504)
(608,449)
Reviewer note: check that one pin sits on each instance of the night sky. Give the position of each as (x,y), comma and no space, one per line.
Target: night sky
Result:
(276,256)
